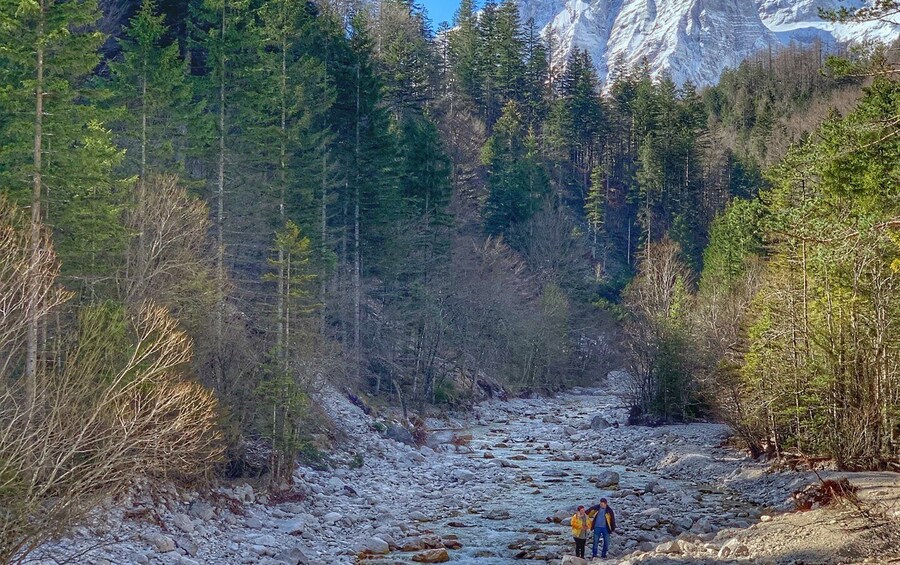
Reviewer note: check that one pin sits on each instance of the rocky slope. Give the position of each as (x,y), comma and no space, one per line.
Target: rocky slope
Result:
(692,40)
(495,494)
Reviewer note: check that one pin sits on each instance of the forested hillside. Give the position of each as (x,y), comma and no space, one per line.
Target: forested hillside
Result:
(213,209)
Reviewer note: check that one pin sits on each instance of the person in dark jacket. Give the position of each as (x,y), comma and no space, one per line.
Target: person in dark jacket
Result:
(604,524)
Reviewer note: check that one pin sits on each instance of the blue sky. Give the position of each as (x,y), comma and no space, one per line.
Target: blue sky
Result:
(440,10)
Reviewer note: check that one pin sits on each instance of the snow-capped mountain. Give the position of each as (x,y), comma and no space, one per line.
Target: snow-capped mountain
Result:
(798,20)
(694,40)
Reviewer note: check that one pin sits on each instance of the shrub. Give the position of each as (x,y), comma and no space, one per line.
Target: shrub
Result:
(92,431)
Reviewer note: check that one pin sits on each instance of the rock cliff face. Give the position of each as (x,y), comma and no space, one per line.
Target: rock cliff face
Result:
(692,40)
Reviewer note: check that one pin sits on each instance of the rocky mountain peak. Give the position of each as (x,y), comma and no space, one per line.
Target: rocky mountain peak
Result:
(692,40)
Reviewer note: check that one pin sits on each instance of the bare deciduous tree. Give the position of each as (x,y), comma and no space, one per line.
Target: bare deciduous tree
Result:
(111,412)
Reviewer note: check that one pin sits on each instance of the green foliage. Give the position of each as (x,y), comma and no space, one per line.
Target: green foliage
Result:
(518,181)
(284,408)
(356,462)
(151,82)
(81,199)
(830,285)
(734,238)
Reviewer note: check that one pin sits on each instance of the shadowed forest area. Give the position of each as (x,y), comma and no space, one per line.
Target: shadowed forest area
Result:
(214,210)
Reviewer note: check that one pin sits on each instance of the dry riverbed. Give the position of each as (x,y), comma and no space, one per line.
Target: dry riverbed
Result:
(680,495)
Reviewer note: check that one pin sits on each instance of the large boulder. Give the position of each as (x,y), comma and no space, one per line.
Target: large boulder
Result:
(293,556)
(162,543)
(599,423)
(572,560)
(605,479)
(373,546)
(400,434)
(432,556)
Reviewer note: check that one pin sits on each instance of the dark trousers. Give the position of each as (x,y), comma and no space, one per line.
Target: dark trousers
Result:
(580,543)
(598,533)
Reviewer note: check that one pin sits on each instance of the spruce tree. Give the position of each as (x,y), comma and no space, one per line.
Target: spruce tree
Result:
(404,56)
(516,175)
(221,39)
(48,50)
(151,82)
(536,77)
(595,205)
(464,50)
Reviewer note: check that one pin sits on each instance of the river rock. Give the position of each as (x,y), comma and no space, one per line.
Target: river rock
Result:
(292,527)
(332,517)
(267,540)
(293,556)
(572,560)
(463,475)
(605,479)
(599,423)
(162,543)
(202,511)
(497,515)
(400,434)
(189,547)
(562,515)
(733,548)
(432,556)
(183,523)
(671,547)
(373,545)
(418,516)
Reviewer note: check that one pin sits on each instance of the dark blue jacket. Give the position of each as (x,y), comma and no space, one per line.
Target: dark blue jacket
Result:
(610,516)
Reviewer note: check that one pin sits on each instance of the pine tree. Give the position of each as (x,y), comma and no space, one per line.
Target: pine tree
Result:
(507,49)
(295,278)
(48,49)
(536,78)
(151,82)
(580,90)
(595,205)
(283,105)
(404,56)
(223,44)
(464,48)
(517,179)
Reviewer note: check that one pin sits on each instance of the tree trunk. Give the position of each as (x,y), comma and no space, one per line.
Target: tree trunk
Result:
(220,219)
(357,290)
(31,338)
(282,337)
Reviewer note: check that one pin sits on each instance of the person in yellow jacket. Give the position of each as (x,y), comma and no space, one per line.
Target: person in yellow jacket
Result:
(581,530)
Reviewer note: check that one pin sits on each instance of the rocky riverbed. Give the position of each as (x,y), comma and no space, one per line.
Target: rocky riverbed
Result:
(495,486)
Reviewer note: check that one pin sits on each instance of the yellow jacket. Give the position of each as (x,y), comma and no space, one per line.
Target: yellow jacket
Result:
(581,528)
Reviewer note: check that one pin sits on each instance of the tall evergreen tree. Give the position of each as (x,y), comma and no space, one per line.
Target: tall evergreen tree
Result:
(517,179)
(536,77)
(464,49)
(56,140)
(222,25)
(151,81)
